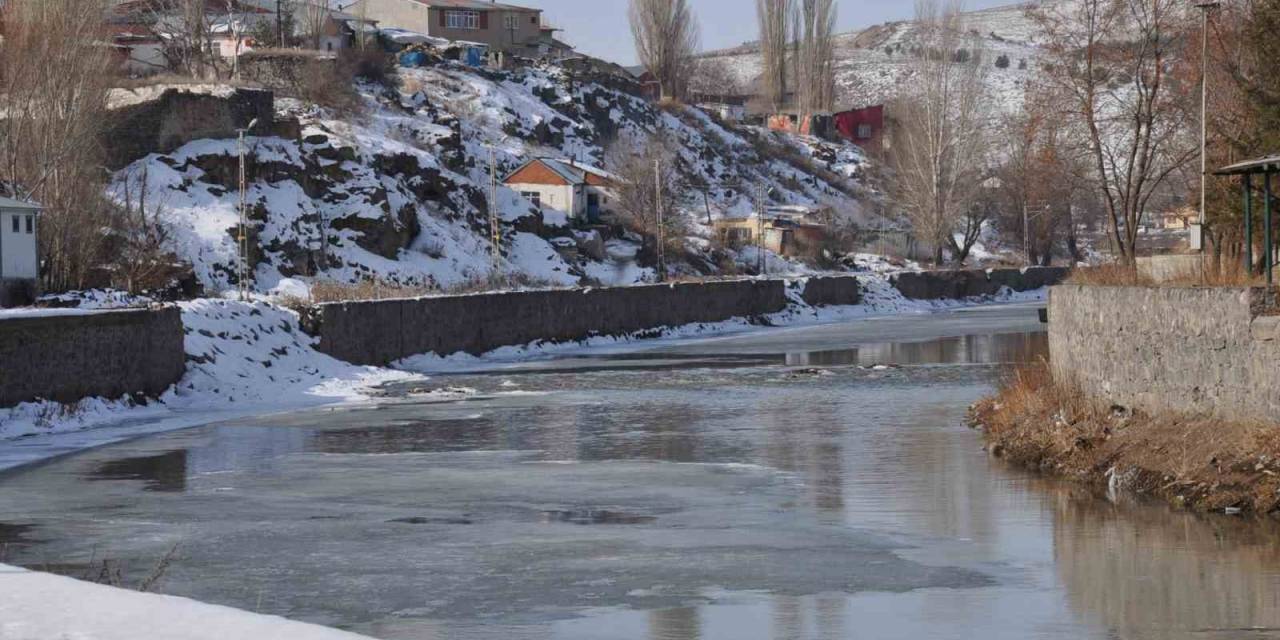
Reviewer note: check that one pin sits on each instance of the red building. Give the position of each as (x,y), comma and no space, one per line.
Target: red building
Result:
(863,127)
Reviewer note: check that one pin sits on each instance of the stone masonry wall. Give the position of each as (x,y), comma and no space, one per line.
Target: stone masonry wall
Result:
(832,291)
(110,354)
(378,333)
(178,116)
(1207,351)
(954,285)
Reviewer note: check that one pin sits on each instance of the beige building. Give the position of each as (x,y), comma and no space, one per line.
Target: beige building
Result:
(503,27)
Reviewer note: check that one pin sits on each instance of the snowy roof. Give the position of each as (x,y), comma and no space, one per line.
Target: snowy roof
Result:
(572,171)
(10,203)
(404,36)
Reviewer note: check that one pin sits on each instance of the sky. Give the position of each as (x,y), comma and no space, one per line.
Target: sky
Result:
(599,27)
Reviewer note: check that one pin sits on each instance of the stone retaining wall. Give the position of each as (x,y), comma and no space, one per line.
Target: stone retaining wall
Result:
(1209,351)
(955,285)
(832,291)
(111,354)
(381,332)
(177,115)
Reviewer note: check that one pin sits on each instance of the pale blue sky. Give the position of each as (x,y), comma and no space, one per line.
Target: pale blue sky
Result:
(599,27)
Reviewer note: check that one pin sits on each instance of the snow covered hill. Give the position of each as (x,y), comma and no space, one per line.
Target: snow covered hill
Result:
(871,65)
(398,194)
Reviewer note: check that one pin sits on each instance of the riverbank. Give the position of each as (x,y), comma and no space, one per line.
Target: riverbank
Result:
(1197,463)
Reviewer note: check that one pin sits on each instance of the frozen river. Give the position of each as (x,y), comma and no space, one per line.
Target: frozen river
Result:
(785,484)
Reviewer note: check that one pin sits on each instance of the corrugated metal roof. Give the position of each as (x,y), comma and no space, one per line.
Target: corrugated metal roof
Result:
(10,203)
(1260,165)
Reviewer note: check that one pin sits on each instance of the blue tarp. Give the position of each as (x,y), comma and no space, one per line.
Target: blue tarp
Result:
(413,59)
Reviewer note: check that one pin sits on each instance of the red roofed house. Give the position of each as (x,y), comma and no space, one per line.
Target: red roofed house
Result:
(578,191)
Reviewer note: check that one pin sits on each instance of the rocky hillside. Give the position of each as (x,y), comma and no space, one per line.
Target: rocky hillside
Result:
(872,64)
(398,193)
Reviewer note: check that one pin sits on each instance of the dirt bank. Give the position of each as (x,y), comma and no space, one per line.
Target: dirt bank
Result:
(1192,462)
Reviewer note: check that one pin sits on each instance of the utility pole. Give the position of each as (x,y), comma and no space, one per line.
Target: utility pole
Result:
(1197,239)
(662,232)
(760,261)
(1026,231)
(495,229)
(243,266)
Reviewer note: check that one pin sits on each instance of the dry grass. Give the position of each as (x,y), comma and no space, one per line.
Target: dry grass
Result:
(322,292)
(1227,274)
(1192,461)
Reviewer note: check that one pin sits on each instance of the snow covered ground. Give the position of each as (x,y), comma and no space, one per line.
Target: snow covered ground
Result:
(42,606)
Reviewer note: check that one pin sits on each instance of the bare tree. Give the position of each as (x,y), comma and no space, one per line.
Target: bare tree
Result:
(940,147)
(315,19)
(713,78)
(54,78)
(641,207)
(666,39)
(815,26)
(1111,60)
(775,17)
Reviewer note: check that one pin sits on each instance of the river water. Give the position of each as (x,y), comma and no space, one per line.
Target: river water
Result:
(813,483)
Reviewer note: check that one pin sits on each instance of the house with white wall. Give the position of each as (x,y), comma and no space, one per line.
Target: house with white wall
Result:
(581,192)
(19,251)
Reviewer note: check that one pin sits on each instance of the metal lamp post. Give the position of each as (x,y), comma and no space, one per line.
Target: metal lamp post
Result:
(243,271)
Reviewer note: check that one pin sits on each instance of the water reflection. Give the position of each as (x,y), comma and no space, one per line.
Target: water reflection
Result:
(166,472)
(973,349)
(1146,571)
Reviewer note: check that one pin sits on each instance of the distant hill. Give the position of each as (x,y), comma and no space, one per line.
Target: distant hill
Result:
(871,64)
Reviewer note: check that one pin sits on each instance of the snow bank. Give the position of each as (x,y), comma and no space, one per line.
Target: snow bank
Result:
(40,606)
(243,359)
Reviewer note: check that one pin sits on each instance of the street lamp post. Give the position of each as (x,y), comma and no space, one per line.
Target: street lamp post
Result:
(243,271)
(1197,237)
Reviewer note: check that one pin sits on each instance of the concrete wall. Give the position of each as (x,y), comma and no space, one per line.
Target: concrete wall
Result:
(954,285)
(110,354)
(382,332)
(1205,350)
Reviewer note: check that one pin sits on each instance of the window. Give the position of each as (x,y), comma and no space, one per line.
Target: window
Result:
(511,22)
(31,224)
(15,223)
(864,132)
(462,19)
(534,197)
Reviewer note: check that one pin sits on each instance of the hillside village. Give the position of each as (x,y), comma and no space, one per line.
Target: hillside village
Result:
(405,319)
(444,106)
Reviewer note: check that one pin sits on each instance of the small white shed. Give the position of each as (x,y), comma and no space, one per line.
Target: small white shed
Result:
(19,252)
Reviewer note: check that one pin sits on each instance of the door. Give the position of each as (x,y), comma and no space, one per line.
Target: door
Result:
(593,208)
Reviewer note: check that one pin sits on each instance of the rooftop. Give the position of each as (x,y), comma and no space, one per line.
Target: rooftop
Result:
(475,4)
(1267,164)
(10,203)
